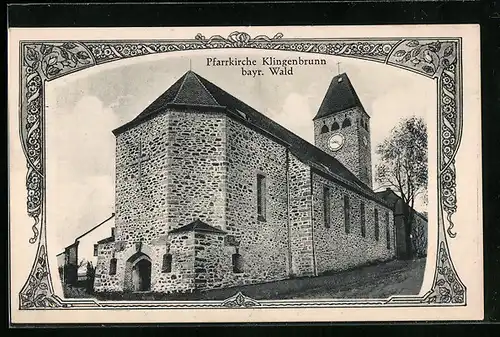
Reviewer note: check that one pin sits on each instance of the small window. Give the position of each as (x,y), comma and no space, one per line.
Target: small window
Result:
(346,123)
(167,263)
(335,126)
(112,267)
(261,197)
(113,231)
(237,263)
(326,206)
(96,249)
(377,228)
(324,129)
(387,231)
(347,214)
(362,218)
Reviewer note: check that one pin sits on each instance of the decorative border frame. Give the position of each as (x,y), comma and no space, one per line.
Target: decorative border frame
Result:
(436,58)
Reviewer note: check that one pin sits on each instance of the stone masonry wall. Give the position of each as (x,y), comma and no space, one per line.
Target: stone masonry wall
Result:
(181,276)
(212,261)
(300,218)
(197,168)
(263,245)
(104,282)
(336,250)
(180,178)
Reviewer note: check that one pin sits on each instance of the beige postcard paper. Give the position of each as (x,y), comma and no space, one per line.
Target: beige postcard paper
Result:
(245,174)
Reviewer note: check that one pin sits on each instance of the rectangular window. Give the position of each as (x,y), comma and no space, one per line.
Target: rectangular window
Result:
(326,206)
(387,230)
(377,229)
(362,218)
(167,263)
(112,267)
(237,263)
(113,231)
(261,197)
(347,214)
(96,248)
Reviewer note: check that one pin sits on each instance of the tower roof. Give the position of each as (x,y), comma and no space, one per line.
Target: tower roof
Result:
(340,96)
(195,92)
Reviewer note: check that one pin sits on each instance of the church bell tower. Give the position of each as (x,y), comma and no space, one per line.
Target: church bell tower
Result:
(342,128)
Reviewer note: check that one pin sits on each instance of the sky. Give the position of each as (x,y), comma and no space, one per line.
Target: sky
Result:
(83,108)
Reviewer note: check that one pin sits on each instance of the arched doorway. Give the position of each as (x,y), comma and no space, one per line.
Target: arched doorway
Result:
(138,273)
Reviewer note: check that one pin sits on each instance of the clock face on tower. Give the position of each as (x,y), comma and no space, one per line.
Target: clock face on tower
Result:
(336,141)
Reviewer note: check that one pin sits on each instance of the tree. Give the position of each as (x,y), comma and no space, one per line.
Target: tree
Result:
(403,165)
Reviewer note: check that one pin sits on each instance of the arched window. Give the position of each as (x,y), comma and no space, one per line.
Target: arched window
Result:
(112,266)
(167,263)
(324,129)
(346,123)
(237,263)
(335,126)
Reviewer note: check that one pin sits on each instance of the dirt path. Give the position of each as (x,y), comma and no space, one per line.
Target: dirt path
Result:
(377,281)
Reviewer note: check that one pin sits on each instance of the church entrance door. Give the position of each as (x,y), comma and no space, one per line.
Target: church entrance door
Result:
(138,273)
(141,275)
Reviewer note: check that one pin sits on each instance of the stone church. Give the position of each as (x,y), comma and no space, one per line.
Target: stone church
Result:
(211,193)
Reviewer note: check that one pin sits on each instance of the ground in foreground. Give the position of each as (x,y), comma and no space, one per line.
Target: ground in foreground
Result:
(376,281)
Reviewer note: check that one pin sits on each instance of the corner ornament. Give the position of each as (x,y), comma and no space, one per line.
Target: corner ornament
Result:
(427,57)
(240,301)
(447,288)
(37,292)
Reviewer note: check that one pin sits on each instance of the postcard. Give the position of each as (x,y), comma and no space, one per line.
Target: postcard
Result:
(245,174)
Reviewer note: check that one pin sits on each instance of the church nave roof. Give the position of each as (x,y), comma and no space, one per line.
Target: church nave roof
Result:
(195,92)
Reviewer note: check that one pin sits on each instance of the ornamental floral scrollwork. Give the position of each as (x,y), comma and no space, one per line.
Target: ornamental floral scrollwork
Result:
(447,287)
(240,301)
(235,39)
(47,60)
(428,57)
(56,59)
(37,292)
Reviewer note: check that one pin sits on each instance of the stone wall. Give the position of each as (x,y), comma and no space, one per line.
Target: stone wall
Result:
(337,250)
(300,218)
(181,276)
(212,262)
(104,282)
(263,244)
(197,169)
(180,178)
(205,166)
